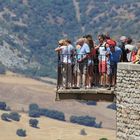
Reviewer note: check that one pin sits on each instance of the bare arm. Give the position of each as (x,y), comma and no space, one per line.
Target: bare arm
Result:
(58,49)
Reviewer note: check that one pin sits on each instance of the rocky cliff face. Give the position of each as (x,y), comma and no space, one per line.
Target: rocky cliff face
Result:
(12,59)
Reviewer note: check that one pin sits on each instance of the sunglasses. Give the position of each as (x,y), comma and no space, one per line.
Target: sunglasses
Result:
(111,47)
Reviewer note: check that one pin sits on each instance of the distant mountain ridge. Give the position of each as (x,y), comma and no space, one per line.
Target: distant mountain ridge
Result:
(30,29)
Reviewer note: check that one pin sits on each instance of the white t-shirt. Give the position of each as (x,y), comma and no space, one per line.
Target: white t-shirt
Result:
(102,52)
(66,53)
(130,48)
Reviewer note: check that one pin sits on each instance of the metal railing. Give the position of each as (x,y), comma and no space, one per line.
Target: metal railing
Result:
(89,73)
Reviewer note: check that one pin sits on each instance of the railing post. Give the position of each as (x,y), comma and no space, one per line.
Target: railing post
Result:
(59,76)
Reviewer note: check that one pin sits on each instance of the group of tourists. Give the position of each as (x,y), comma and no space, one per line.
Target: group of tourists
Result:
(88,64)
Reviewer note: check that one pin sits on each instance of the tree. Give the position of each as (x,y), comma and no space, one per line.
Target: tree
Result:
(14,116)
(83,120)
(5,117)
(55,115)
(34,113)
(2,105)
(21,132)
(34,110)
(33,106)
(33,122)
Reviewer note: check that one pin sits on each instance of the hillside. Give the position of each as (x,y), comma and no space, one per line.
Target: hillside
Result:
(52,130)
(18,92)
(30,29)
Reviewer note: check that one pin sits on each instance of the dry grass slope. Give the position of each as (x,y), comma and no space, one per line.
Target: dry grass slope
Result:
(18,92)
(50,129)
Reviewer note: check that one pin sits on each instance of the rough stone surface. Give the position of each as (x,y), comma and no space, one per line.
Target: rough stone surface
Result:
(128,101)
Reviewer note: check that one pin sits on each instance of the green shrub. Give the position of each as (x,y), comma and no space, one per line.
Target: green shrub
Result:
(33,122)
(34,113)
(33,106)
(53,114)
(83,120)
(34,110)
(21,132)
(2,105)
(14,116)
(5,117)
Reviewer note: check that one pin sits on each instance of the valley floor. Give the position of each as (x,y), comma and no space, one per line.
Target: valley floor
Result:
(50,129)
(18,92)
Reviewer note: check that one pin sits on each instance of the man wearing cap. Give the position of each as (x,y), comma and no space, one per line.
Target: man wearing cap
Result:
(113,57)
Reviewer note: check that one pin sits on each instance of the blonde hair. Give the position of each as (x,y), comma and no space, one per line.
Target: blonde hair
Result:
(80,40)
(62,42)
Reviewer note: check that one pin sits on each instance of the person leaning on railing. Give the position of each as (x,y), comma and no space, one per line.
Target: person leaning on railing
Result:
(66,51)
(59,67)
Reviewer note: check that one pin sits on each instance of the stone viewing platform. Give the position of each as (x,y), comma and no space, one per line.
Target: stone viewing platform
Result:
(126,94)
(128,101)
(96,94)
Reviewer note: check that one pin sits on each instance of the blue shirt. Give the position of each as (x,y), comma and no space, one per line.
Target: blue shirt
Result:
(83,51)
(114,56)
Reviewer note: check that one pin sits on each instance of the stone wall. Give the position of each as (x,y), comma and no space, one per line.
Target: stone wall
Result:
(128,101)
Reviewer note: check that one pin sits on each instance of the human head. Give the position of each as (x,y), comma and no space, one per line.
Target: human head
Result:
(88,36)
(89,40)
(107,35)
(68,41)
(80,41)
(61,42)
(111,44)
(101,38)
(123,39)
(129,40)
(112,48)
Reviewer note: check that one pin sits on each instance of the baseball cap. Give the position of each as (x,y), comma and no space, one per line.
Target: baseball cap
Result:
(111,42)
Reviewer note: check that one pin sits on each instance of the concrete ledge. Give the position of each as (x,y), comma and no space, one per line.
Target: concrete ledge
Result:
(128,66)
(85,91)
(86,94)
